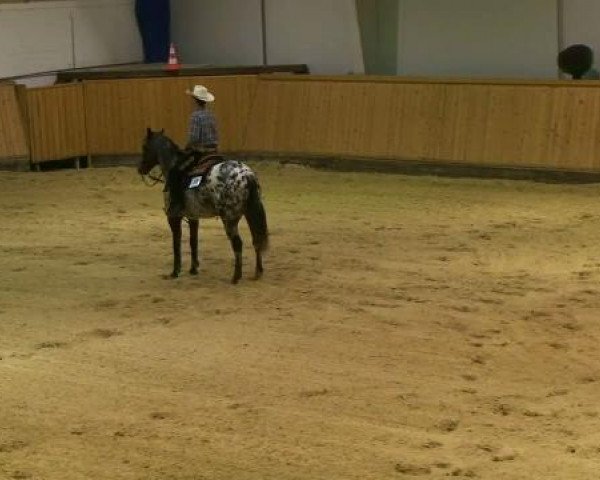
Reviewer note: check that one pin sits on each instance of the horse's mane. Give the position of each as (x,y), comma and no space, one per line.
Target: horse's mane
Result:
(171,145)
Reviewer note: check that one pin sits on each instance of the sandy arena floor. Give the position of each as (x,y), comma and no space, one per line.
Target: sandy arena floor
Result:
(405,328)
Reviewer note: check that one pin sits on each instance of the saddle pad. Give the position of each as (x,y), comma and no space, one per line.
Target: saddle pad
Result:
(195,182)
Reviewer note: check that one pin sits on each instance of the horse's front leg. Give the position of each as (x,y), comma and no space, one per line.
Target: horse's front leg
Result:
(194,246)
(231,227)
(175,224)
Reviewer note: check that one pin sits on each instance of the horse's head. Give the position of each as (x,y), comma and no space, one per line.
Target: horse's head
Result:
(149,152)
(157,149)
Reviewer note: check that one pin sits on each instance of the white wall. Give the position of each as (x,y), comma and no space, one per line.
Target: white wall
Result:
(507,38)
(321,33)
(511,38)
(49,35)
(106,32)
(34,39)
(217,32)
(581,23)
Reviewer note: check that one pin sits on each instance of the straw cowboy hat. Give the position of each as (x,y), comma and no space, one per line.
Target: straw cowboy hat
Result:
(201,93)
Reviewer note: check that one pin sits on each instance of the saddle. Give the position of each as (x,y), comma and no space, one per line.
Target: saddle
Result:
(191,173)
(203,164)
(196,166)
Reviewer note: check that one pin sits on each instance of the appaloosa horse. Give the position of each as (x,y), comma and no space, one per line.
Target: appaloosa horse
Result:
(229,190)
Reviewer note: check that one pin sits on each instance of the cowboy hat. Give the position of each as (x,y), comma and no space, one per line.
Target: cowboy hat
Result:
(201,93)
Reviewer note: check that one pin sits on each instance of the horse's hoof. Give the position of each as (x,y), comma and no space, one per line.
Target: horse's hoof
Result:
(174,275)
(235,280)
(257,276)
(194,271)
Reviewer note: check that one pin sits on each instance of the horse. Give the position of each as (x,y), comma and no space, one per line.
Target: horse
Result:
(229,190)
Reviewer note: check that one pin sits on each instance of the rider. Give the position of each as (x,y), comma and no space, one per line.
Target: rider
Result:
(201,148)
(203,136)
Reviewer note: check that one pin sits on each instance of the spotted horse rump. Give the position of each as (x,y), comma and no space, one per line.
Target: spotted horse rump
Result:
(222,192)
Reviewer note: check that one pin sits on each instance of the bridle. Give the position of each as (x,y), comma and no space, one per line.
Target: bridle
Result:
(155,179)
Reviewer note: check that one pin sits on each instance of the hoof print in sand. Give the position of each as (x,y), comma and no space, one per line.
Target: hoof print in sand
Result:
(10,447)
(314,393)
(410,469)
(505,455)
(50,345)
(448,425)
(105,333)
(160,415)
(21,475)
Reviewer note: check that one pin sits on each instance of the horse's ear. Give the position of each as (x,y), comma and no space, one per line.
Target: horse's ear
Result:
(148,132)
(162,130)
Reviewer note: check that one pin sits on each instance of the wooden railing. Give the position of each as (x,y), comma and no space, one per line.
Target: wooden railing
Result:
(118,112)
(553,125)
(56,117)
(523,124)
(13,134)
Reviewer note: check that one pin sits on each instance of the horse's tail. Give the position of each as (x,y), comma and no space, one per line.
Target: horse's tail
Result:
(257,217)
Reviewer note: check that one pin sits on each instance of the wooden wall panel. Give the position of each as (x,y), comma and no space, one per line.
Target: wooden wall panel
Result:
(56,122)
(13,138)
(119,111)
(553,125)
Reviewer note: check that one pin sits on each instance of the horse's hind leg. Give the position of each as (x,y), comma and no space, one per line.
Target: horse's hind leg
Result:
(194,246)
(175,224)
(257,221)
(258,270)
(258,241)
(231,228)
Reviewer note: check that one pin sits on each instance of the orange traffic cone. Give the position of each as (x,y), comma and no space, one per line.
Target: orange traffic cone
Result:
(173,63)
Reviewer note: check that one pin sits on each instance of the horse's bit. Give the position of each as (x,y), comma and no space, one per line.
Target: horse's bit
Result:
(156,180)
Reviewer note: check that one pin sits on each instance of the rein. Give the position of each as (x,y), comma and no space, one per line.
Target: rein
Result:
(156,180)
